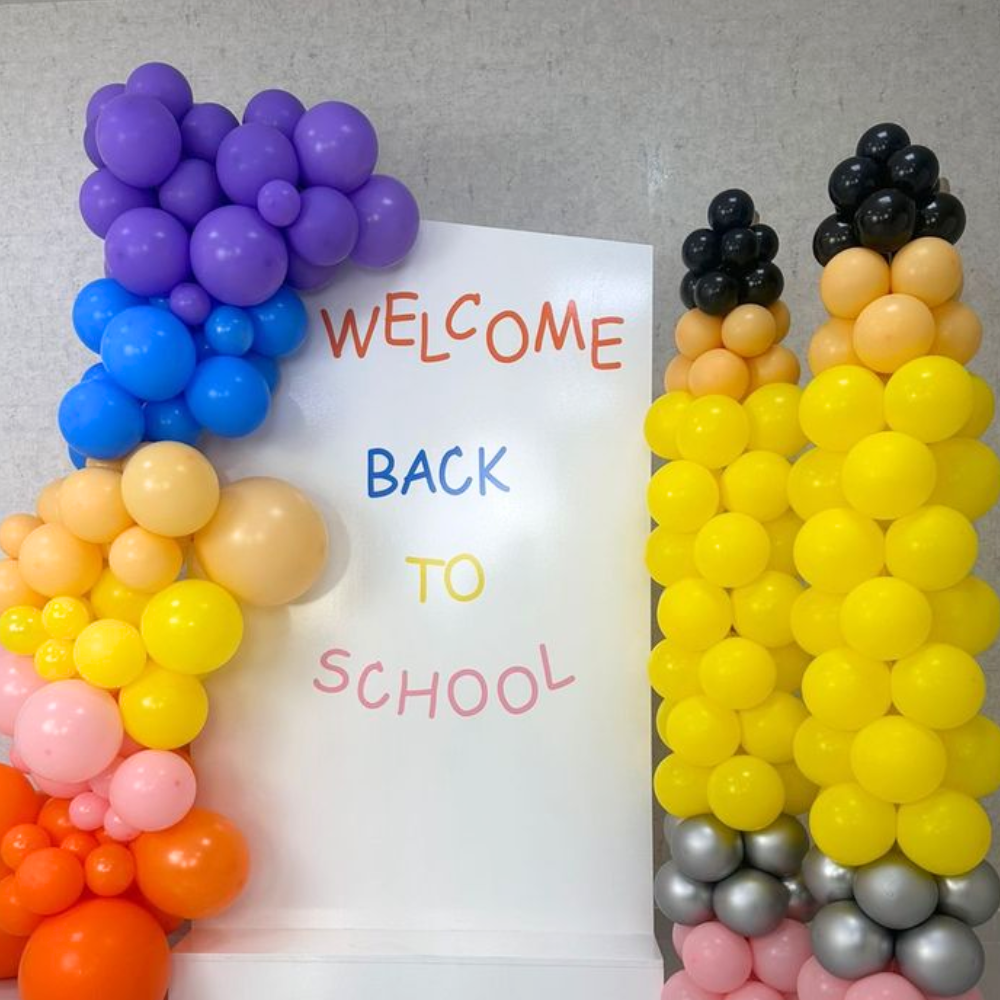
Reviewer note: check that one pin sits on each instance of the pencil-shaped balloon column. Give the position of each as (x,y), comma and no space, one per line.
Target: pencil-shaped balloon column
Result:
(727,665)
(893,616)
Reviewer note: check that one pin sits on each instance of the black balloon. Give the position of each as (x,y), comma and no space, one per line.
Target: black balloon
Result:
(853,180)
(687,289)
(732,209)
(700,251)
(832,235)
(763,285)
(767,242)
(881,141)
(716,293)
(739,248)
(914,170)
(886,220)
(943,216)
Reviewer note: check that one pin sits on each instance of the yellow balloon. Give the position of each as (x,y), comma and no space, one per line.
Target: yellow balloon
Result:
(682,496)
(746,793)
(845,689)
(731,549)
(65,617)
(22,630)
(54,660)
(946,833)
(983,409)
(823,754)
(898,760)
(839,548)
(973,757)
(791,662)
(888,475)
(800,792)
(933,548)
(713,431)
(762,610)
(768,729)
(193,626)
(673,671)
(816,621)
(162,709)
(756,484)
(814,482)
(930,398)
(968,476)
(885,618)
(662,420)
(109,653)
(851,825)
(783,531)
(702,731)
(662,716)
(670,556)
(682,788)
(841,406)
(773,412)
(939,686)
(694,613)
(966,615)
(737,673)
(110,598)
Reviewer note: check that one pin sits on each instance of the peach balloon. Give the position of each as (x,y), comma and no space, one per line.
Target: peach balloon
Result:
(48,502)
(14,530)
(719,372)
(959,332)
(267,544)
(675,378)
(782,319)
(170,488)
(832,344)
(930,269)
(697,332)
(55,562)
(851,280)
(144,561)
(91,505)
(14,592)
(893,330)
(776,364)
(749,330)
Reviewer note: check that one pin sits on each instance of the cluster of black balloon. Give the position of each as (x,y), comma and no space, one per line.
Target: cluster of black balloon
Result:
(732,262)
(750,882)
(891,908)
(886,195)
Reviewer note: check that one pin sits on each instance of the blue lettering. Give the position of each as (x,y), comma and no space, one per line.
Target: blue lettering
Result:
(384,473)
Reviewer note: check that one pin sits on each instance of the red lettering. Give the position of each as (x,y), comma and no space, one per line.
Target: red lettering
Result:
(484,693)
(597,342)
(449,321)
(349,329)
(547,321)
(429,359)
(371,668)
(392,318)
(532,688)
(405,692)
(325,661)
(522,329)
(550,683)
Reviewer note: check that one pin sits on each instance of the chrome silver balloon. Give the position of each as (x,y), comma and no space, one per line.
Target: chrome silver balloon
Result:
(681,899)
(973,897)
(750,902)
(801,904)
(704,848)
(895,893)
(779,848)
(848,944)
(670,823)
(827,880)
(942,957)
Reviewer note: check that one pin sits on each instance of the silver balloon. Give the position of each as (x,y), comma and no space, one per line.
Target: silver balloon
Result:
(848,944)
(750,902)
(670,823)
(825,879)
(942,957)
(681,899)
(779,848)
(705,849)
(895,893)
(973,897)
(801,904)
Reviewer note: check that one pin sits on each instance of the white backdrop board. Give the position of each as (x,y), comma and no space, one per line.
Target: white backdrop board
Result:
(441,757)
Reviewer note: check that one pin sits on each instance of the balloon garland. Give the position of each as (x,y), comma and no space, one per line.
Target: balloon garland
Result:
(126,589)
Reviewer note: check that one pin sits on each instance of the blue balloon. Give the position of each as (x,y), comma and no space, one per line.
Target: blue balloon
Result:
(229,330)
(96,305)
(268,367)
(279,324)
(228,396)
(171,420)
(149,352)
(95,371)
(202,348)
(79,461)
(100,420)
(160,302)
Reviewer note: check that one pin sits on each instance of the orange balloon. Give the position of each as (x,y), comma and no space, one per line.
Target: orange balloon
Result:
(15,917)
(91,505)
(675,378)
(49,881)
(79,844)
(109,870)
(782,319)
(893,330)
(832,344)
(55,562)
(776,364)
(851,280)
(18,800)
(959,332)
(54,819)
(928,268)
(194,869)
(14,530)
(719,372)
(48,503)
(749,330)
(167,921)
(144,561)
(14,592)
(11,949)
(20,841)
(697,332)
(103,949)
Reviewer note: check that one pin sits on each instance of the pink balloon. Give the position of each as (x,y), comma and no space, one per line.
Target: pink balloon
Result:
(87,810)
(717,959)
(884,986)
(153,790)
(68,731)
(16,760)
(117,829)
(60,789)
(100,784)
(680,986)
(815,983)
(779,956)
(18,680)
(678,936)
(755,991)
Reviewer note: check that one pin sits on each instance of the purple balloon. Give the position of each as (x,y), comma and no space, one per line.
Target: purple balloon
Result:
(237,257)
(167,84)
(279,202)
(138,140)
(327,227)
(388,219)
(190,303)
(276,108)
(306,277)
(249,157)
(103,198)
(146,251)
(100,98)
(90,144)
(203,129)
(337,146)
(191,192)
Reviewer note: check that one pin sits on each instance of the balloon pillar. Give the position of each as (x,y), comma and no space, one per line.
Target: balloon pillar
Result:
(128,586)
